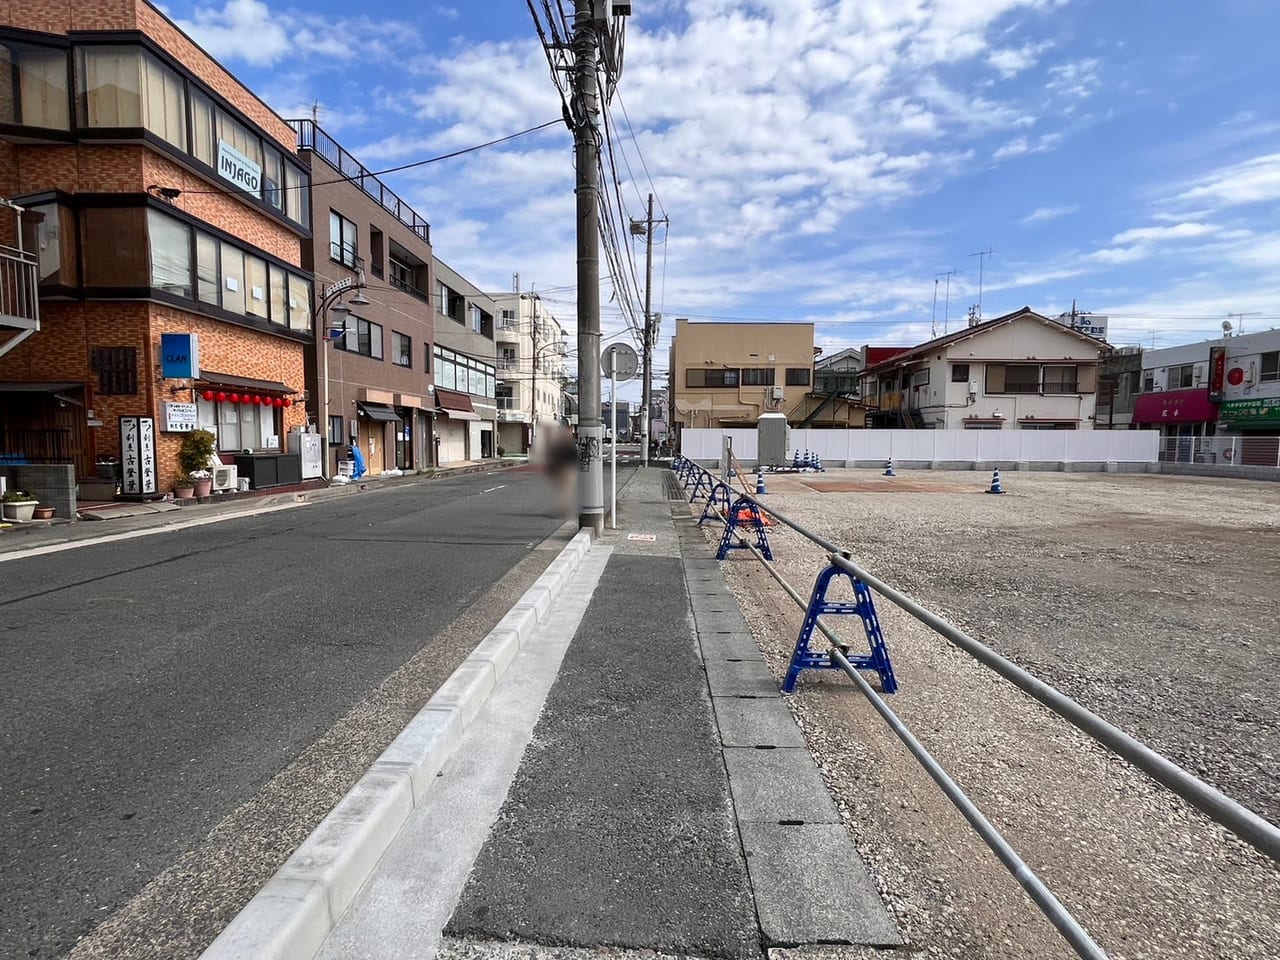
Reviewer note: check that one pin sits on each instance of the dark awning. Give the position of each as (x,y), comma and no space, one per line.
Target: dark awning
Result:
(455,405)
(378,411)
(41,386)
(229,381)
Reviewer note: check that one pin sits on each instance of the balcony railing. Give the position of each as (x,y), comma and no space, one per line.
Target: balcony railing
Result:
(410,289)
(19,293)
(311,137)
(1233,451)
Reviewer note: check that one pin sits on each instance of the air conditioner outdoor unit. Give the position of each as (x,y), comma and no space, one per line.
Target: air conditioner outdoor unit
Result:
(778,393)
(224,478)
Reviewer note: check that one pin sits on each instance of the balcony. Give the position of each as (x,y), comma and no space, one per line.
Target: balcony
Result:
(410,289)
(19,296)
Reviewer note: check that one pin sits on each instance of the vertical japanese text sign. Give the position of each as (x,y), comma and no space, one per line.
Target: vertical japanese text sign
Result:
(138,456)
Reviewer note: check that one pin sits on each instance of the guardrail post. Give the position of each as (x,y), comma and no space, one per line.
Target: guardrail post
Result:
(803,658)
(719,495)
(744,511)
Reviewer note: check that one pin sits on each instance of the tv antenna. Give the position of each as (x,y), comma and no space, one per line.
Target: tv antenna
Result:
(982,259)
(946,306)
(1241,317)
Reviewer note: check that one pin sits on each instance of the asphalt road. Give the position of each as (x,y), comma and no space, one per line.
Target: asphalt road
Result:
(152,686)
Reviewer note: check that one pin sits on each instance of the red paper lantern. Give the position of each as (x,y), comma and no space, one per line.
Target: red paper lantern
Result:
(259,401)
(221,397)
(208,394)
(277,402)
(234,398)
(287,402)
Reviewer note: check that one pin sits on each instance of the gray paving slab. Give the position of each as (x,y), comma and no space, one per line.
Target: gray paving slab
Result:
(751,722)
(740,678)
(778,785)
(618,829)
(400,910)
(732,645)
(720,621)
(811,886)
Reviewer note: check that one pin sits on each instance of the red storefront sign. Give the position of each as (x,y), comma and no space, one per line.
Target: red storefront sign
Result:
(1175,406)
(1217,372)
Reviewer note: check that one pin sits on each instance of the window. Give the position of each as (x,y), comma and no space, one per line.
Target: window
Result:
(1148,381)
(297,196)
(115,247)
(272,177)
(239,426)
(757,376)
(299,303)
(1021,378)
(711,378)
(109,83)
(959,373)
(204,126)
(377,252)
(1060,379)
(798,376)
(255,286)
(164,102)
(1270,369)
(1181,377)
(982,425)
(363,337)
(343,239)
(279,296)
(236,135)
(50,230)
(117,370)
(233,285)
(206,268)
(401,350)
(335,431)
(38,95)
(477,324)
(170,254)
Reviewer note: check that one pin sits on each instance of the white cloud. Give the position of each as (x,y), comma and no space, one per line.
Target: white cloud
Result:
(449,13)
(1010,61)
(1252,181)
(244,29)
(1179,231)
(1045,214)
(1077,78)
(1020,145)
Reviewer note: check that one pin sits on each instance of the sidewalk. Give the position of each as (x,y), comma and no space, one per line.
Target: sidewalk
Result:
(634,781)
(127,516)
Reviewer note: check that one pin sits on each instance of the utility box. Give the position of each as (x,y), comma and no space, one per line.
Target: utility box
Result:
(773,439)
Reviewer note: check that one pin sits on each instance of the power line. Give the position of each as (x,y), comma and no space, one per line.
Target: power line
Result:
(379,173)
(640,153)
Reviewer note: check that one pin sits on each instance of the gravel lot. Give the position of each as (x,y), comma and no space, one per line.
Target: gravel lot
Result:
(1151,600)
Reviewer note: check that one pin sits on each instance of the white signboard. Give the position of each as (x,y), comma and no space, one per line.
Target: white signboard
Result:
(239,169)
(1088,323)
(138,455)
(179,417)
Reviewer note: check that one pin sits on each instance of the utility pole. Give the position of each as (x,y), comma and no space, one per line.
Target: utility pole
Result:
(650,331)
(946,308)
(585,110)
(982,258)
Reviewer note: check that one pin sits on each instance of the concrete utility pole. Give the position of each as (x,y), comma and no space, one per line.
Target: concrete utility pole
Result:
(586,114)
(650,334)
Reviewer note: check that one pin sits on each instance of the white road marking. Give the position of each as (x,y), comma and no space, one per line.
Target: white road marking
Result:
(146,532)
(491,489)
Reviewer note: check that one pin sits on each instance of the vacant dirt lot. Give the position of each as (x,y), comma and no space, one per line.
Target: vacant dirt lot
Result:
(1151,600)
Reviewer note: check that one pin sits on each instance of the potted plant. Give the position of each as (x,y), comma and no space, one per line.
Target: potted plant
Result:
(194,456)
(184,488)
(19,505)
(203,481)
(43,513)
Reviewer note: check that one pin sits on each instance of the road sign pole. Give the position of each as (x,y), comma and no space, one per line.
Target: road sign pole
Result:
(613,433)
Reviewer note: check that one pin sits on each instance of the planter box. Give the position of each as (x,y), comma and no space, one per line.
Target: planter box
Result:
(20,511)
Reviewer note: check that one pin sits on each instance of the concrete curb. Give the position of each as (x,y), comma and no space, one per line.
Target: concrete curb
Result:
(293,913)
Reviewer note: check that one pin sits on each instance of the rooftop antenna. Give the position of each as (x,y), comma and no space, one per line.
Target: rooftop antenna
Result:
(1241,318)
(946,307)
(315,112)
(934,324)
(982,259)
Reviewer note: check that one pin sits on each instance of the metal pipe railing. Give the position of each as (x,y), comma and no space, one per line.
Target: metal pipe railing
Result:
(1258,832)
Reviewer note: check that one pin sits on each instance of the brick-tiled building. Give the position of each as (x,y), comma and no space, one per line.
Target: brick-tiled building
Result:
(164,197)
(377,378)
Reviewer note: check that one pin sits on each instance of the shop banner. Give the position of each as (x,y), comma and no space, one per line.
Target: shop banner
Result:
(1256,411)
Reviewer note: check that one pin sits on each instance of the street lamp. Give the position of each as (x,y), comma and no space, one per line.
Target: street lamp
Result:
(331,303)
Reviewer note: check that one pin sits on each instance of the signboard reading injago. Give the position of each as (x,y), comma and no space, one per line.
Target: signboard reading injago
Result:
(239,169)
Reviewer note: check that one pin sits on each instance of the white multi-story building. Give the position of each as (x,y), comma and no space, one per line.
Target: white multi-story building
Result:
(531,367)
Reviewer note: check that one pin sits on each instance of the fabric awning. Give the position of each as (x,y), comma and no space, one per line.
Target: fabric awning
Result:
(450,400)
(461,415)
(380,412)
(230,381)
(1175,406)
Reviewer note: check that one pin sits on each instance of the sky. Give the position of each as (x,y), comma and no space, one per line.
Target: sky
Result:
(826,160)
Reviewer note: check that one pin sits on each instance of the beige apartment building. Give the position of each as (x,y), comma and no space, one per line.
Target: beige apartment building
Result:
(728,374)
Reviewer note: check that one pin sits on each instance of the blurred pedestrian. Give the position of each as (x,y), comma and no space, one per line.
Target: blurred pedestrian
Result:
(561,459)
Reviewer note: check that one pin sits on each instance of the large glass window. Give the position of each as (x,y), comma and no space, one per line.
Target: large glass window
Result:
(255,294)
(235,134)
(297,197)
(170,254)
(279,296)
(299,303)
(273,177)
(344,242)
(204,128)
(164,102)
(401,350)
(50,230)
(109,82)
(206,268)
(240,426)
(33,86)
(233,279)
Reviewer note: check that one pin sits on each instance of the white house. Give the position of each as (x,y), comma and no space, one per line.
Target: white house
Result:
(1021,371)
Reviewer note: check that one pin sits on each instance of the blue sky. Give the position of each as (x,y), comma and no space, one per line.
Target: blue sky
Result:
(824,160)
